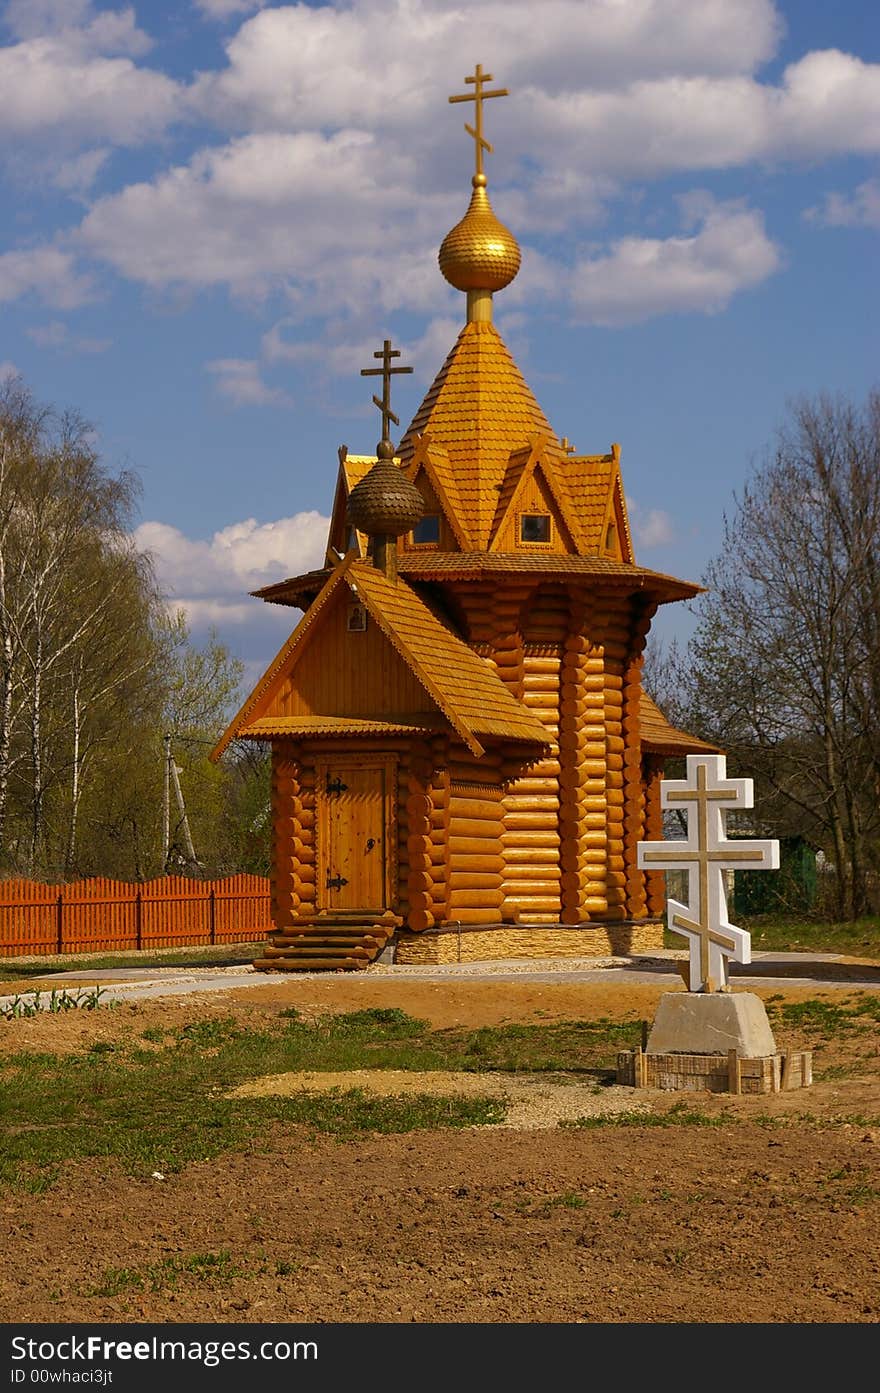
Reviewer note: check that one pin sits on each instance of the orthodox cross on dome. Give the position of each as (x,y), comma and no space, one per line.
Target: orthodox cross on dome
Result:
(478,96)
(706,855)
(566,445)
(386,353)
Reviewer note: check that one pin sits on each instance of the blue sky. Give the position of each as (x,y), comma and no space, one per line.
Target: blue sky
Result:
(211,213)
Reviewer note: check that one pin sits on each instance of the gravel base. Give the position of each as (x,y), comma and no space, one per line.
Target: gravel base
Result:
(531,1103)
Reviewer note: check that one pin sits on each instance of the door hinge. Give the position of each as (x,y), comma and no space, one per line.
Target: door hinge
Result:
(336,785)
(335,882)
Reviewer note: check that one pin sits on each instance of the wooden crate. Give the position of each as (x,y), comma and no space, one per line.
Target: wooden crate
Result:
(716,1073)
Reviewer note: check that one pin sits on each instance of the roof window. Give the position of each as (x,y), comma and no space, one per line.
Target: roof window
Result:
(427,531)
(534,527)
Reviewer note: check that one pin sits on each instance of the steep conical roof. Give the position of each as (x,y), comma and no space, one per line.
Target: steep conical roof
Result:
(478,408)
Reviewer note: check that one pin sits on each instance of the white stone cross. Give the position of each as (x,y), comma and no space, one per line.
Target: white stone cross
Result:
(706,854)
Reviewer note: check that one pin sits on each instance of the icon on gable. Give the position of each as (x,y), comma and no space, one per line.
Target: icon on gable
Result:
(357,619)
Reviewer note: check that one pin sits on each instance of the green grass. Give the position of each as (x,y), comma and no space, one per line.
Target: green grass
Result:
(215,1269)
(792,934)
(162,1102)
(818,1016)
(789,934)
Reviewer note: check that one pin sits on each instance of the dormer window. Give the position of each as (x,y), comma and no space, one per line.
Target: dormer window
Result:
(611,537)
(534,527)
(427,531)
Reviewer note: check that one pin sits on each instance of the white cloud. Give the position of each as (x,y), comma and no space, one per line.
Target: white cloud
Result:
(277,73)
(79,23)
(57,335)
(600,90)
(652,527)
(71,75)
(642,277)
(211,580)
(239,380)
(77,175)
(7,370)
(861,210)
(336,214)
(46,271)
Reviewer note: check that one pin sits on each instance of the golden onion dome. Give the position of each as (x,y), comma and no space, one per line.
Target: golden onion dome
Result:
(479,253)
(385,503)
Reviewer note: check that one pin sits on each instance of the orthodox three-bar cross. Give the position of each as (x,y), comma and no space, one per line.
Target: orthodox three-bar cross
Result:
(706,855)
(478,96)
(386,372)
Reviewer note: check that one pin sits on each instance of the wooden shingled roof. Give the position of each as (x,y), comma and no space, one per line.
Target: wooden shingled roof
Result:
(465,690)
(659,737)
(300,591)
(478,409)
(465,687)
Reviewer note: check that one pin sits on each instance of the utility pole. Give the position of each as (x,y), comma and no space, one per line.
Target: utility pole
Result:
(184,820)
(172,772)
(166,804)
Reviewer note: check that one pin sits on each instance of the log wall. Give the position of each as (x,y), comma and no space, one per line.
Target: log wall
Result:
(531,837)
(655,881)
(634,804)
(583,758)
(286,811)
(474,811)
(420,878)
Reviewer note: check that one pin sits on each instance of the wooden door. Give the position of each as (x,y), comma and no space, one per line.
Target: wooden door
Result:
(354,863)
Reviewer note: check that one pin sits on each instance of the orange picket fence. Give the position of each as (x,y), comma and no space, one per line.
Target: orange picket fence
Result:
(99,915)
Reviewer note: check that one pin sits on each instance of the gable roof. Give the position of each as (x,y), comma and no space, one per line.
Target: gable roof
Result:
(435,461)
(465,689)
(540,457)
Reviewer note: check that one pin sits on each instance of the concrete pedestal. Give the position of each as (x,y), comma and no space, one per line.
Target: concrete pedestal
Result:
(711,1023)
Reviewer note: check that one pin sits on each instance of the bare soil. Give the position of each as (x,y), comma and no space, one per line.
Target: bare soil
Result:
(774,1218)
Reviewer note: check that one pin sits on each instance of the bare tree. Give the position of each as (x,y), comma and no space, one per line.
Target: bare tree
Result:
(784,668)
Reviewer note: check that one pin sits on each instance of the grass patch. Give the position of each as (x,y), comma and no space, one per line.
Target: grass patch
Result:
(790,934)
(214,1268)
(160,1110)
(346,1113)
(817,1015)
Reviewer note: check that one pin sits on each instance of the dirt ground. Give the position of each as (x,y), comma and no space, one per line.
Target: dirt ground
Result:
(772,1219)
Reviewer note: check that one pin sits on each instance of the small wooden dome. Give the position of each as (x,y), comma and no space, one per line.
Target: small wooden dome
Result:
(385,503)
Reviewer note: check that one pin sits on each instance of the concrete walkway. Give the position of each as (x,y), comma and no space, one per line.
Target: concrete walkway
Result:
(765,970)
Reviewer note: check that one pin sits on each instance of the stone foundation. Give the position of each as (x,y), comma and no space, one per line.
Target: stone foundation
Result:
(528,941)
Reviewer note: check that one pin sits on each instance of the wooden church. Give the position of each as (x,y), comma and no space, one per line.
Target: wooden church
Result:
(463,759)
